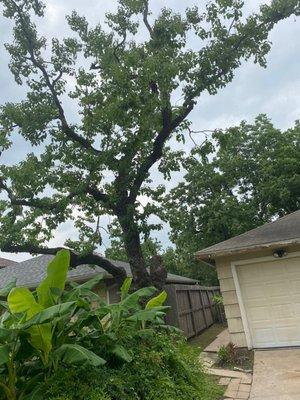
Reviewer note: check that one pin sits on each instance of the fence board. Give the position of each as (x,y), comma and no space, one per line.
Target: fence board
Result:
(192,307)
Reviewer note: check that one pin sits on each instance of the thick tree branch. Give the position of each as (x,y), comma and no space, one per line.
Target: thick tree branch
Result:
(118,273)
(169,126)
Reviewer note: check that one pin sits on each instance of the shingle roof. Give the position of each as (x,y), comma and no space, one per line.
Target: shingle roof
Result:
(29,273)
(4,262)
(285,230)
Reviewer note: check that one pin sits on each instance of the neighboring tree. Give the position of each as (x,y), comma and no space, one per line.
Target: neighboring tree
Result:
(126,90)
(240,179)
(179,261)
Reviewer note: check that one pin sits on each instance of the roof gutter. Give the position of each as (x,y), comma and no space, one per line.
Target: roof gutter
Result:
(210,256)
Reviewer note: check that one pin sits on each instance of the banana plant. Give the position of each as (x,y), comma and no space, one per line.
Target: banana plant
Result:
(31,329)
(40,330)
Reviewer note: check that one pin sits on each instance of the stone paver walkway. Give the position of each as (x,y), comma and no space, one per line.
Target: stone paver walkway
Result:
(237,388)
(222,339)
(238,383)
(276,375)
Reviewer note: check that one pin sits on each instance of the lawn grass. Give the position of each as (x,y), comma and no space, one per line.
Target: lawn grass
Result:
(208,336)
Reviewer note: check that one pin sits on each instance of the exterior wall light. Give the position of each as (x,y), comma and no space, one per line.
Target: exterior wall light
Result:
(279,253)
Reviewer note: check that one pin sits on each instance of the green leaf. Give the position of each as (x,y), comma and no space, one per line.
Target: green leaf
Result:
(4,354)
(132,300)
(56,278)
(21,300)
(120,352)
(41,339)
(157,301)
(5,334)
(75,354)
(125,287)
(90,284)
(7,288)
(48,314)
(148,315)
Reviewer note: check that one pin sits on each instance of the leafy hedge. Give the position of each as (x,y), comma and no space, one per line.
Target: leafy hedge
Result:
(162,368)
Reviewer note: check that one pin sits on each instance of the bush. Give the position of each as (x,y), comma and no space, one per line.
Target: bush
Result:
(227,355)
(160,370)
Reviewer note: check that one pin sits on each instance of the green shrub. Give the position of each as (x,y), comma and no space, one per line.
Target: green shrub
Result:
(162,368)
(227,355)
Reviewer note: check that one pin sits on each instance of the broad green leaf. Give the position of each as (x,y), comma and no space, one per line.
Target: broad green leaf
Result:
(21,300)
(125,287)
(56,278)
(91,283)
(41,339)
(148,315)
(122,353)
(85,289)
(7,288)
(132,300)
(48,314)
(157,301)
(75,354)
(4,354)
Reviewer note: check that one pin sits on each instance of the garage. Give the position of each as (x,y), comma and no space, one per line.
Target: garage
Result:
(270,294)
(259,274)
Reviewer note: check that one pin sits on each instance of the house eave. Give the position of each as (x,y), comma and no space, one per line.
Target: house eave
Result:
(210,256)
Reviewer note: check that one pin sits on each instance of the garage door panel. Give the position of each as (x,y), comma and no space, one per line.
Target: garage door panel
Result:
(295,286)
(256,314)
(253,292)
(271,296)
(287,334)
(296,308)
(276,290)
(264,336)
(282,311)
(248,277)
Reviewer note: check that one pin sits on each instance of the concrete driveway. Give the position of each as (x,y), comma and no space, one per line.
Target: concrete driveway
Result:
(276,375)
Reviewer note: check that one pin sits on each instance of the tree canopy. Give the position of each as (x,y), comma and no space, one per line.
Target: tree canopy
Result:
(126,90)
(236,180)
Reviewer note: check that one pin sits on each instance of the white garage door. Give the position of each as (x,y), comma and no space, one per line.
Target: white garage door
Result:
(271,296)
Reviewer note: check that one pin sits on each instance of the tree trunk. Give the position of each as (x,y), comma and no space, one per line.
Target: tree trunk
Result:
(157,274)
(133,249)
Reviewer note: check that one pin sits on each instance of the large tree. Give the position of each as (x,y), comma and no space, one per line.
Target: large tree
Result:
(127,78)
(236,180)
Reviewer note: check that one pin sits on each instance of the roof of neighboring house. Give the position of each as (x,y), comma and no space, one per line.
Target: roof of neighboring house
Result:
(283,231)
(4,262)
(30,273)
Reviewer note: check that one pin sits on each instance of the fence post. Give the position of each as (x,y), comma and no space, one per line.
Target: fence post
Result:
(192,312)
(203,307)
(172,317)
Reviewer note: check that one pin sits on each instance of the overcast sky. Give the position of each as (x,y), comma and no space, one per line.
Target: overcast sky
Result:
(274,91)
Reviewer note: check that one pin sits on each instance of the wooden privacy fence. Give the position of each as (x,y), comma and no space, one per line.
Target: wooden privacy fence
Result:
(192,308)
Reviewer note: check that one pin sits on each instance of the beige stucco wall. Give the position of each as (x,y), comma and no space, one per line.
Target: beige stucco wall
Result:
(231,305)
